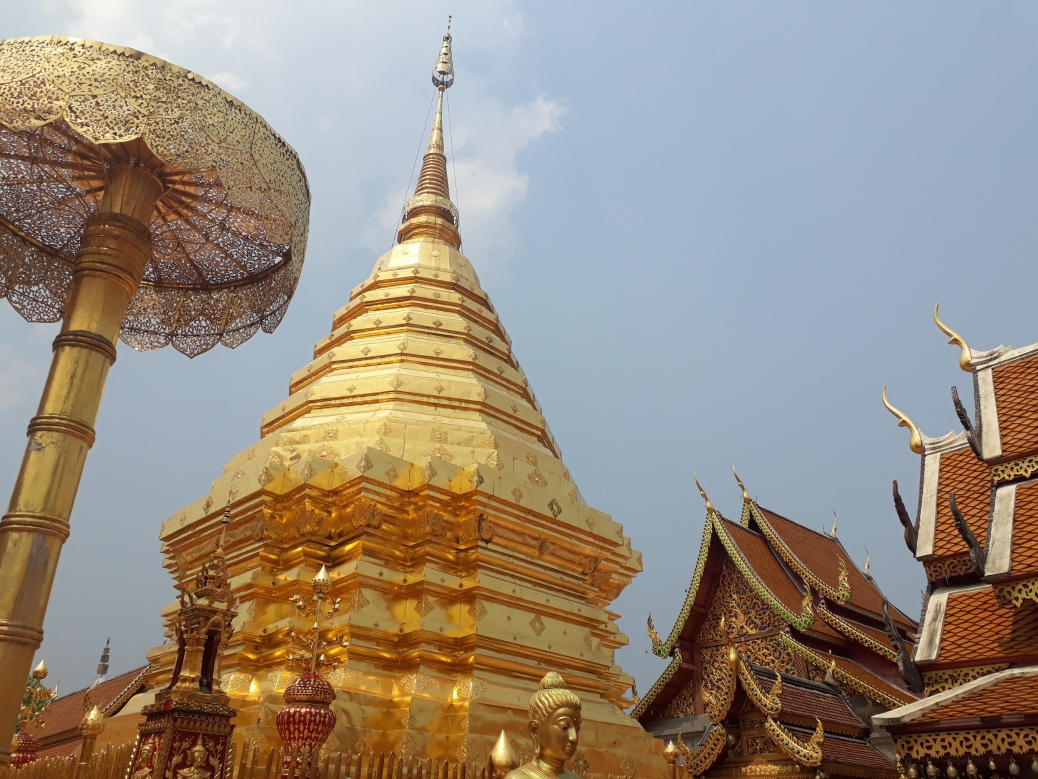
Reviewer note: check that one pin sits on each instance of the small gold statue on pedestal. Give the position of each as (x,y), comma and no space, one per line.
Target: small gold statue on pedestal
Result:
(555,728)
(195,770)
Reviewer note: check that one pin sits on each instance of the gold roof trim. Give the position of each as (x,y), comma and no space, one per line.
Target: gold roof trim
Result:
(745,495)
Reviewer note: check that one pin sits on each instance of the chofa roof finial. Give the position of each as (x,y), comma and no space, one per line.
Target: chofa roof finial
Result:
(745,495)
(709,506)
(915,443)
(965,354)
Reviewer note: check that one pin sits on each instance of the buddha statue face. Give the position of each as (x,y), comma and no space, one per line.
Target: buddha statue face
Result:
(198,755)
(557,736)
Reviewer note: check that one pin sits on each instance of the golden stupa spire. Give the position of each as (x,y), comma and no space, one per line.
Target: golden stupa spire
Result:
(430,212)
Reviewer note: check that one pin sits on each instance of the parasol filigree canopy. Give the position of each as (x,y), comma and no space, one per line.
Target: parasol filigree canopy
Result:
(229,232)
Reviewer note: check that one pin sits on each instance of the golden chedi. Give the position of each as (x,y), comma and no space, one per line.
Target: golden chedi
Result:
(554,729)
(412,460)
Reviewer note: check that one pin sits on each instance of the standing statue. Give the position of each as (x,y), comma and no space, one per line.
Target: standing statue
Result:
(555,728)
(194,769)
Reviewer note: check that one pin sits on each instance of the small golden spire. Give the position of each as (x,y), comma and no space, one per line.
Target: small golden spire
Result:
(709,506)
(93,722)
(915,443)
(835,522)
(502,758)
(670,752)
(40,671)
(965,354)
(322,581)
(430,213)
(745,494)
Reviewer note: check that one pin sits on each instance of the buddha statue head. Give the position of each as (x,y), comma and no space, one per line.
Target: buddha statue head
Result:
(554,721)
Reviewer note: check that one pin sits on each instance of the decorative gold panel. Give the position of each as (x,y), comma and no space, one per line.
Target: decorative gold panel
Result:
(939,681)
(967,743)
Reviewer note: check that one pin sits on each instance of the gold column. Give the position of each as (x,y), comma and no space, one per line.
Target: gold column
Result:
(116,246)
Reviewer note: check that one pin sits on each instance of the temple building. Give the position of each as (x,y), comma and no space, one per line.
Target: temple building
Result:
(781,653)
(60,736)
(976,535)
(412,459)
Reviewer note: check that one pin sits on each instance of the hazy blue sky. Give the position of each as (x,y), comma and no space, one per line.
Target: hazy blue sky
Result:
(713,230)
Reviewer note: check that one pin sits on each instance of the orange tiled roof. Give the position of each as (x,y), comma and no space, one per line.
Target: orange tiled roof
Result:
(1016,397)
(873,679)
(762,559)
(809,703)
(1017,695)
(977,630)
(856,753)
(1025,529)
(970,479)
(821,554)
(65,713)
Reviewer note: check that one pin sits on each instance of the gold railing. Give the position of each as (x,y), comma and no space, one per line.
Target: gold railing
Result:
(114,763)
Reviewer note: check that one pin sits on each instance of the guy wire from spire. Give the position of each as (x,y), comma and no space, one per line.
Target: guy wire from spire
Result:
(454,160)
(400,214)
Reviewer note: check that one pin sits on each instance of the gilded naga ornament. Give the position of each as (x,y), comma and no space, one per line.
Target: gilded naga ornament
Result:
(555,728)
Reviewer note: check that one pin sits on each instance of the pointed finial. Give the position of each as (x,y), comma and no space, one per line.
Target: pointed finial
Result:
(835,521)
(40,671)
(93,722)
(965,354)
(709,505)
(502,758)
(443,71)
(670,753)
(745,494)
(102,665)
(915,443)
(322,581)
(868,561)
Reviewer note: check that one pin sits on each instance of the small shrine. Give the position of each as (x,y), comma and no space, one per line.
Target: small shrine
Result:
(976,536)
(782,651)
(186,731)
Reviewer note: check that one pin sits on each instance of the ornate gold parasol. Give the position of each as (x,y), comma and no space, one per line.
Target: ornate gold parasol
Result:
(138,201)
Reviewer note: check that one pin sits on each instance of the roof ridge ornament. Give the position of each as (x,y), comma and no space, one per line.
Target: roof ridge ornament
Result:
(915,443)
(709,506)
(965,353)
(745,495)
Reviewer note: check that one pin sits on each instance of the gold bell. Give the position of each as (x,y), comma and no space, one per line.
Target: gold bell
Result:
(991,764)
(971,769)
(1034,764)
(1014,769)
(913,772)
(952,771)
(931,769)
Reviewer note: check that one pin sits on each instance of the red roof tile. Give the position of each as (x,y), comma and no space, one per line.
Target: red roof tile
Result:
(1016,695)
(809,703)
(762,559)
(1025,529)
(850,752)
(821,555)
(1016,397)
(977,630)
(970,479)
(65,713)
